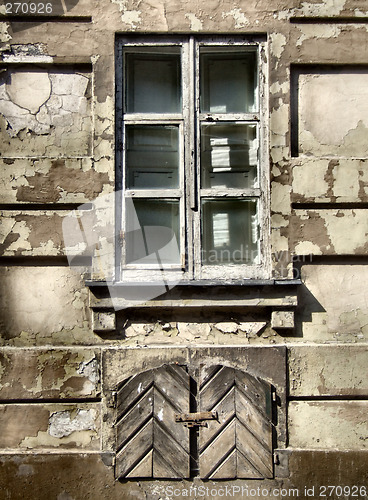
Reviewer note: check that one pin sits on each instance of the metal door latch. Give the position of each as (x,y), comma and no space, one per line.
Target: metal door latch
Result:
(196,419)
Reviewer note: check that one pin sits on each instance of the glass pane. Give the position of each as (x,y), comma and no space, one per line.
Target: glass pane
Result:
(229,155)
(229,232)
(152,156)
(152,232)
(153,83)
(228,82)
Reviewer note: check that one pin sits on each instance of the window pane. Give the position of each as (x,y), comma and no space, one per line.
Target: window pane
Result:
(229,155)
(152,232)
(228,82)
(152,159)
(153,82)
(229,232)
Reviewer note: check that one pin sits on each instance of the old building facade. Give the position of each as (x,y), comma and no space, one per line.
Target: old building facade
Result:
(183,250)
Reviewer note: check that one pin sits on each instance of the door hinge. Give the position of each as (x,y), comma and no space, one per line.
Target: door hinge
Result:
(197,419)
(112,399)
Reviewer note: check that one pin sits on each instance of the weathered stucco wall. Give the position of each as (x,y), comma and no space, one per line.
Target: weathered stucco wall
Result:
(64,350)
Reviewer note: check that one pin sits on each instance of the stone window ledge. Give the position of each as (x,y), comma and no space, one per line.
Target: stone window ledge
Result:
(108,298)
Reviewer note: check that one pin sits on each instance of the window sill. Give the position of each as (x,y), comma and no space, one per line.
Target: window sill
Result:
(203,283)
(107,298)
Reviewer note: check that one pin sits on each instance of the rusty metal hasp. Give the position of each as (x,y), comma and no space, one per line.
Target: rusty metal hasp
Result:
(196,419)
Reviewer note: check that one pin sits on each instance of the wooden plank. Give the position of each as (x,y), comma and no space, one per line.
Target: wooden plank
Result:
(170,384)
(256,390)
(144,468)
(217,450)
(225,412)
(288,299)
(252,448)
(227,469)
(206,373)
(245,468)
(172,451)
(216,388)
(135,450)
(162,469)
(132,389)
(164,412)
(135,418)
(250,416)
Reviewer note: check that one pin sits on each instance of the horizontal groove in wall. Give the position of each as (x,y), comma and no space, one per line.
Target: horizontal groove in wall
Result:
(328,20)
(29,207)
(69,63)
(29,261)
(343,260)
(44,18)
(40,401)
(328,398)
(329,206)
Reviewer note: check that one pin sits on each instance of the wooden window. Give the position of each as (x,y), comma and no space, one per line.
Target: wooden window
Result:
(192,154)
(216,424)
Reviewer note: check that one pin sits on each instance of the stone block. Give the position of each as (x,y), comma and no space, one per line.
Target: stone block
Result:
(341,425)
(74,180)
(324,95)
(43,305)
(50,425)
(49,373)
(36,116)
(329,232)
(104,321)
(339,370)
(338,316)
(281,320)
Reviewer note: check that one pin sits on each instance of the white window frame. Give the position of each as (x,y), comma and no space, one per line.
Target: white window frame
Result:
(189,192)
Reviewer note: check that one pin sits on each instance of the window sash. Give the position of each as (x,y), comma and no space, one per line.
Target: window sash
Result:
(190,194)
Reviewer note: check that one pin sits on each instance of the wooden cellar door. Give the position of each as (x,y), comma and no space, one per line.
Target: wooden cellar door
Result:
(238,444)
(150,443)
(222,430)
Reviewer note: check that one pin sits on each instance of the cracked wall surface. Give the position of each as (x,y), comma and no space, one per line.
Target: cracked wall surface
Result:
(337,97)
(44,113)
(64,350)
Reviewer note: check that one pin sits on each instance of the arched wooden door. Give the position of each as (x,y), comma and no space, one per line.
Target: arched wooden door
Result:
(216,424)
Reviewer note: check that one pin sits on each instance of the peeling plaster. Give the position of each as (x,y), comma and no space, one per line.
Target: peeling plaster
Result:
(195,23)
(90,370)
(4,32)
(62,424)
(280,198)
(327,95)
(310,181)
(321,8)
(51,104)
(240,330)
(239,17)
(317,31)
(279,124)
(130,17)
(276,87)
(278,43)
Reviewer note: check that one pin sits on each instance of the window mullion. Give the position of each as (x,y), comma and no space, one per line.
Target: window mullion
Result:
(197,150)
